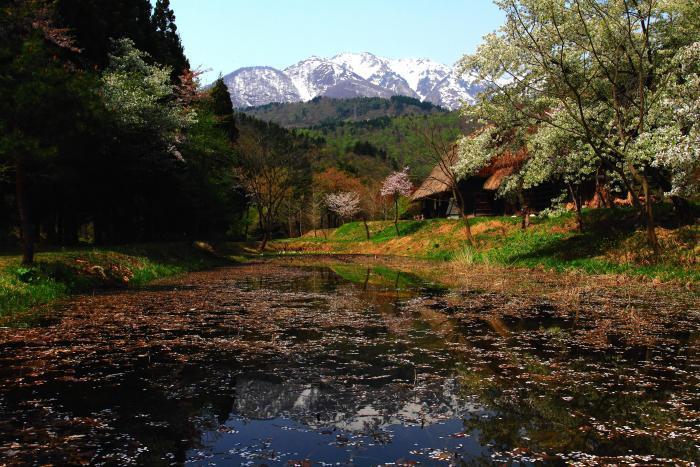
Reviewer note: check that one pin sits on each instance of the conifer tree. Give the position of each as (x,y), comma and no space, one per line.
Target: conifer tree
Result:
(223,108)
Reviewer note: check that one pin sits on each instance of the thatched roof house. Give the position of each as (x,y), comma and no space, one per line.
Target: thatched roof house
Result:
(438,182)
(478,191)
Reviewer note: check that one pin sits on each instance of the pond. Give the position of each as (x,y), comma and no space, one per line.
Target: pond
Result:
(345,363)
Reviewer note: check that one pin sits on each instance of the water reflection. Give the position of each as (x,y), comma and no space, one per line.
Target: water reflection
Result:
(344,365)
(385,391)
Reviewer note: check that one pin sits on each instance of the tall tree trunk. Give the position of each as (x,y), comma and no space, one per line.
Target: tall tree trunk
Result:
(266,234)
(457,195)
(576,198)
(25,214)
(645,210)
(263,243)
(364,221)
(300,223)
(602,197)
(524,209)
(396,215)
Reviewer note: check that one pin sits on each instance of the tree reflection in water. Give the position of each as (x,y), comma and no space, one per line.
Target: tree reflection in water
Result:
(348,364)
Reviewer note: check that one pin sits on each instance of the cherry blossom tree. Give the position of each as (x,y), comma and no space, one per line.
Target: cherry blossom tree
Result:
(347,205)
(397,184)
(344,204)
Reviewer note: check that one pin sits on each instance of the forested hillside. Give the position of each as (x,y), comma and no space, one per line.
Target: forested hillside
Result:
(403,140)
(367,136)
(104,136)
(328,111)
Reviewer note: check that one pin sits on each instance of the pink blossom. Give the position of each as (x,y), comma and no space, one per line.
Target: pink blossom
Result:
(397,184)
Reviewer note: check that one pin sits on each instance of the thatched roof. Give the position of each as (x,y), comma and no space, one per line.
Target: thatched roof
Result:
(494,181)
(500,167)
(437,181)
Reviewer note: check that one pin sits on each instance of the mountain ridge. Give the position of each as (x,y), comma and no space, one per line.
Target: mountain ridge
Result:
(322,110)
(349,75)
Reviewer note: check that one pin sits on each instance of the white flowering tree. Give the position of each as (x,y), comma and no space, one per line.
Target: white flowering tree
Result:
(142,99)
(593,74)
(347,205)
(672,143)
(396,185)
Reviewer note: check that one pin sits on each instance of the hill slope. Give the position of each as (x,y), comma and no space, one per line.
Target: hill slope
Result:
(328,111)
(382,129)
(395,136)
(613,243)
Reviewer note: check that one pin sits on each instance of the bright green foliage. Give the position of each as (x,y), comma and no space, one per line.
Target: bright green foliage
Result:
(141,98)
(368,137)
(395,140)
(610,246)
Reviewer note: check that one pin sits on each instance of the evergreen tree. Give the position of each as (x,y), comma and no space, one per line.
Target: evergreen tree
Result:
(223,108)
(45,112)
(95,23)
(168,46)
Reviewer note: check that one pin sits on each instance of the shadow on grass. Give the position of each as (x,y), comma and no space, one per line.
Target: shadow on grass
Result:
(604,229)
(607,230)
(405,228)
(57,274)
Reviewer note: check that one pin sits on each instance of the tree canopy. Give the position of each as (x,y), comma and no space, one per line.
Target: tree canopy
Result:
(586,84)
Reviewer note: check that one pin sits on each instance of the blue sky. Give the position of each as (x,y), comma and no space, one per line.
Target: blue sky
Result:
(223,35)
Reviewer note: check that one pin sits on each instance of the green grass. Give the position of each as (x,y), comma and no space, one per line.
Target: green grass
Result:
(609,234)
(58,274)
(613,243)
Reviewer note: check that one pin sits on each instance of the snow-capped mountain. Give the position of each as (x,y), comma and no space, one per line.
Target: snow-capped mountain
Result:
(422,75)
(350,75)
(319,77)
(377,71)
(454,89)
(260,85)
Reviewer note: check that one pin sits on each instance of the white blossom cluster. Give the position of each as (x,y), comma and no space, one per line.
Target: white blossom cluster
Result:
(397,184)
(141,96)
(344,204)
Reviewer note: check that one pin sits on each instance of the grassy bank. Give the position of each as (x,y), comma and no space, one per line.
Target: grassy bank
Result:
(611,244)
(60,273)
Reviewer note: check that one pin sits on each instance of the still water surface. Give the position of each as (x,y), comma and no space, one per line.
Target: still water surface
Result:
(342,365)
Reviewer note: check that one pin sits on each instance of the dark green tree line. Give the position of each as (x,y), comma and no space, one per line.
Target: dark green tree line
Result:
(103,131)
